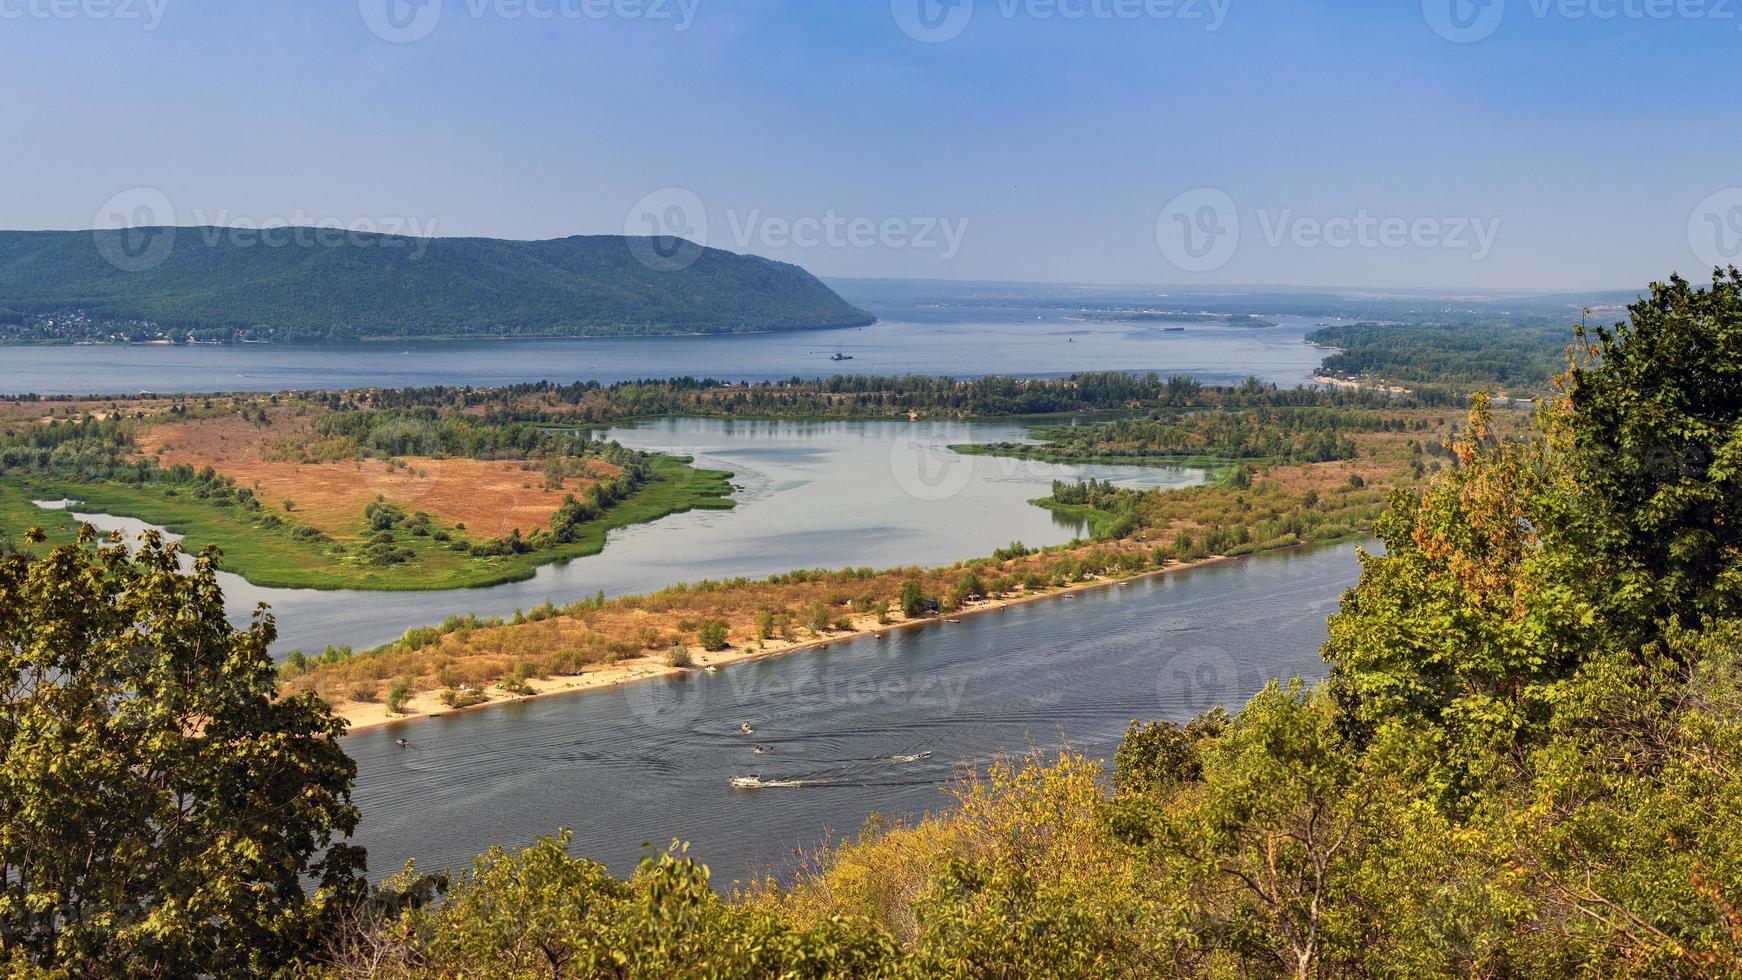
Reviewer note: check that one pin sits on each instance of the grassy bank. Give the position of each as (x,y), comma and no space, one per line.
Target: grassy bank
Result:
(273,558)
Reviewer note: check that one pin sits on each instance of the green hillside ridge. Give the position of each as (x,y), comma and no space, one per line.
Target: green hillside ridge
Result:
(314,285)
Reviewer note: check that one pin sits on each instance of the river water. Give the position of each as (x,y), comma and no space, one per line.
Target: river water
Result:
(812,495)
(876,724)
(964,342)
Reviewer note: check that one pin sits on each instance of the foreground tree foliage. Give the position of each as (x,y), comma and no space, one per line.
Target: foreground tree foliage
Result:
(161,810)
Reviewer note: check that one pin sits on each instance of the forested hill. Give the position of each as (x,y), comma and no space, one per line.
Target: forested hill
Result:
(309,285)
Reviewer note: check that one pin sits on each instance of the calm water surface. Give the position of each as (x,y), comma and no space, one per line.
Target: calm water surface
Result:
(968,343)
(849,728)
(813,495)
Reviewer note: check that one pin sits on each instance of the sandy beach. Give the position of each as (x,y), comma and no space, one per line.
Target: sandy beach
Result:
(364,716)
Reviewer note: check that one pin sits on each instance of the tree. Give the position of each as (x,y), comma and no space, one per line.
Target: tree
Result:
(968,587)
(1283,822)
(1438,633)
(1648,436)
(712,635)
(912,598)
(541,913)
(161,806)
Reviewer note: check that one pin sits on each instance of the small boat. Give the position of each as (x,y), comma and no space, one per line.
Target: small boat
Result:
(746,729)
(759,750)
(841,357)
(713,670)
(402,743)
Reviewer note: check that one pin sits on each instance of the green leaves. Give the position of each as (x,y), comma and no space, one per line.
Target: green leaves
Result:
(160,808)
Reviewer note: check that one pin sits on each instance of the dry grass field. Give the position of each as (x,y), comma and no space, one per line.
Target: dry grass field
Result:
(490,497)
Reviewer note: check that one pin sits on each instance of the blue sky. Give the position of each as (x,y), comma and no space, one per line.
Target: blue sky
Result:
(1561,149)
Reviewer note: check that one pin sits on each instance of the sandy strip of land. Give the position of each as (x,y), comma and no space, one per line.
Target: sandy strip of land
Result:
(365,716)
(1326,379)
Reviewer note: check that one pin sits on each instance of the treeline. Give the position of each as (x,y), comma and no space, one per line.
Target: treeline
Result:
(1519,358)
(91,448)
(1311,435)
(855,396)
(430,431)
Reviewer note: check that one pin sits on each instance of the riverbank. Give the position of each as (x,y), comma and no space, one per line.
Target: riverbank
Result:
(270,555)
(365,716)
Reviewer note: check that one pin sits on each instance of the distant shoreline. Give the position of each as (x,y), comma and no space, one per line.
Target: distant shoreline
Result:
(441,338)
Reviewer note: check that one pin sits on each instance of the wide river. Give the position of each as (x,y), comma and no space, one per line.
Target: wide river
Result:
(963,343)
(871,725)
